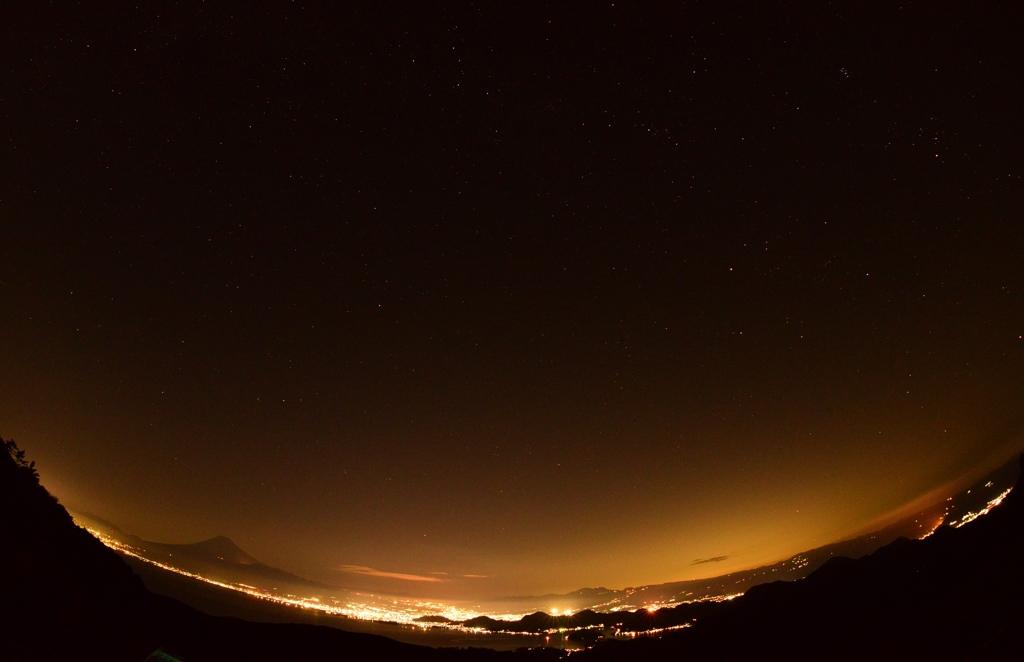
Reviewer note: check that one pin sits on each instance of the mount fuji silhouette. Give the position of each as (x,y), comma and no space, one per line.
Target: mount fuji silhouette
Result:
(956,595)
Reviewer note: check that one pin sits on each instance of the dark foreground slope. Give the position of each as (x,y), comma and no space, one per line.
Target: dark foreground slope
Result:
(65,596)
(953,596)
(956,595)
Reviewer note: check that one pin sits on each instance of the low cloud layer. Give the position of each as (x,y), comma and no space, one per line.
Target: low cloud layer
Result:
(713,559)
(372,572)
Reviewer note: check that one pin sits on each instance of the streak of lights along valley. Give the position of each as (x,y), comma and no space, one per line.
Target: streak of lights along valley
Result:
(406,611)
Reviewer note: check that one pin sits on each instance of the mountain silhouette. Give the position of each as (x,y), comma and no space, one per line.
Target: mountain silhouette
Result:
(220,558)
(970,499)
(217,558)
(219,548)
(67,596)
(955,595)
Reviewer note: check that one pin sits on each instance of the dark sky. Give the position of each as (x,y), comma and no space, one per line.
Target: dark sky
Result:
(560,295)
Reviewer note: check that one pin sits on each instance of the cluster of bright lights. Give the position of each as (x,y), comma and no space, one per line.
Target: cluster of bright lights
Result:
(652,632)
(934,528)
(970,517)
(405,612)
(408,611)
(398,611)
(615,604)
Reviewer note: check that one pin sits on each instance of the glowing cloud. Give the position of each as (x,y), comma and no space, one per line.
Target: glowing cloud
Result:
(364,570)
(713,559)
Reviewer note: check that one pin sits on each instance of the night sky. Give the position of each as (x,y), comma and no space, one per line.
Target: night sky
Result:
(536,296)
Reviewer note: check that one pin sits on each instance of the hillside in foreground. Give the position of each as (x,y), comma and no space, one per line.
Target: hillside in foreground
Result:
(954,595)
(77,600)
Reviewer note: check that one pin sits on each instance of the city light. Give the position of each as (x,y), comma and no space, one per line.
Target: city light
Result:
(970,517)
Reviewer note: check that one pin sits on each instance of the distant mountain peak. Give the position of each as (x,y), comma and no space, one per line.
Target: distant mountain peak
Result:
(223,541)
(221,548)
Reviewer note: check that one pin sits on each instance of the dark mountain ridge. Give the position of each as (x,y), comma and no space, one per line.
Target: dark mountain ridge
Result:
(218,558)
(221,559)
(77,599)
(952,511)
(955,595)
(220,547)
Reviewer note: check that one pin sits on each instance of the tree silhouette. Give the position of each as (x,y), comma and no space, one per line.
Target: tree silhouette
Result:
(18,456)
